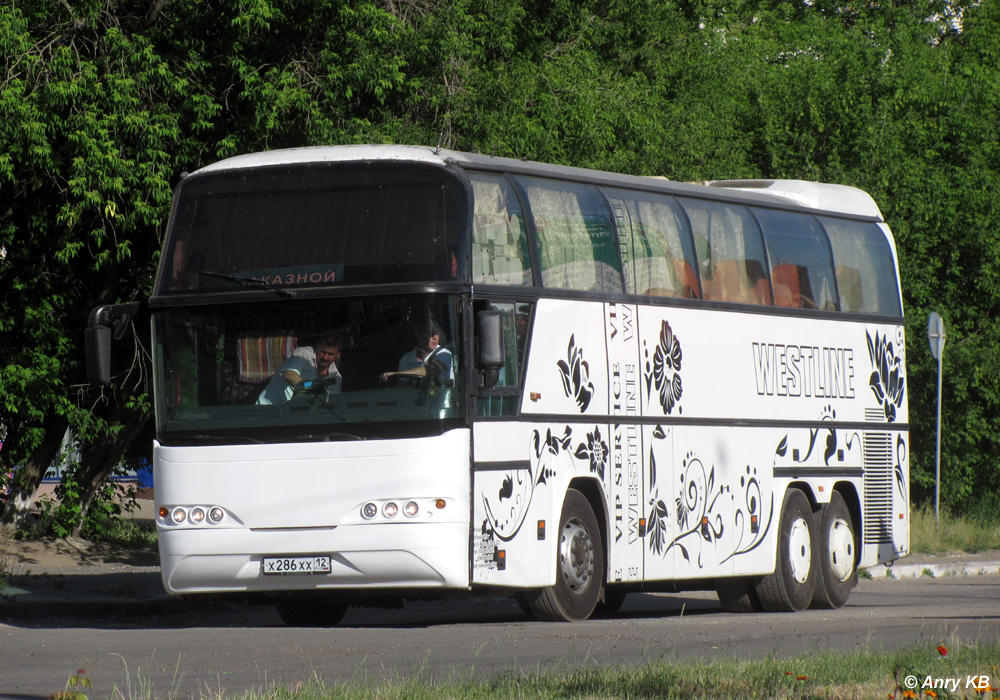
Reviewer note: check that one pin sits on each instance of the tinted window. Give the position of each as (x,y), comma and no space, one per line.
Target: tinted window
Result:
(729,251)
(315,224)
(499,244)
(220,371)
(575,243)
(655,242)
(866,271)
(801,269)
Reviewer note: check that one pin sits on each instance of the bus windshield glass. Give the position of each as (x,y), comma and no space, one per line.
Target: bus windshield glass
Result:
(288,371)
(314,225)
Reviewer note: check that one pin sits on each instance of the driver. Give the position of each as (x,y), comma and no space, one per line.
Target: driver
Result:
(429,358)
(305,364)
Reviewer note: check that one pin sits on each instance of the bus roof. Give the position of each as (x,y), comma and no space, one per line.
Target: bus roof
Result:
(839,199)
(815,195)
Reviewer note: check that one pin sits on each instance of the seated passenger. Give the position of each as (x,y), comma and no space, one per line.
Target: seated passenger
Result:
(428,359)
(305,364)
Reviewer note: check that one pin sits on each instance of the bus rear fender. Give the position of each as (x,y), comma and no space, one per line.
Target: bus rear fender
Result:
(805,488)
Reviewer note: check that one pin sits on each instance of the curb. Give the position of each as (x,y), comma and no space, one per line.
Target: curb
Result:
(932,570)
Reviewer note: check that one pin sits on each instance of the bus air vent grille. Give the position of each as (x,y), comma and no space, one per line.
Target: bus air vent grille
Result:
(877,448)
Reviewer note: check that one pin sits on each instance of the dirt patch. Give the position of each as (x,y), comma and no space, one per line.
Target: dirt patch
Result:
(49,552)
(20,558)
(62,555)
(71,565)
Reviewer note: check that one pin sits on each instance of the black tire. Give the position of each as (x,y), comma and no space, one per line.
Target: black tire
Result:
(739,594)
(310,612)
(837,554)
(579,566)
(791,585)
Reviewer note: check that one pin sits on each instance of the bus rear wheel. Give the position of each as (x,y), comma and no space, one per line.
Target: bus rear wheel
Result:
(310,612)
(838,573)
(579,566)
(791,585)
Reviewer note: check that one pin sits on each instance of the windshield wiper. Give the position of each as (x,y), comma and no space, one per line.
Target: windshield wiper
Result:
(331,436)
(249,282)
(224,439)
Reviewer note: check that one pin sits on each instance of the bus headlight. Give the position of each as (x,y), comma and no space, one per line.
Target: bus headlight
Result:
(417,509)
(190,515)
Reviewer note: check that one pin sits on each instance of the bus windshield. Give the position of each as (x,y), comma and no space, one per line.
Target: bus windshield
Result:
(290,371)
(313,225)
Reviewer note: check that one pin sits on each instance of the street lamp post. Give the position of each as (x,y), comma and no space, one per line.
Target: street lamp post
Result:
(936,336)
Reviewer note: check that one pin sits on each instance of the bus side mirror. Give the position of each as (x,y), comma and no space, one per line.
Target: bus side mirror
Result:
(98,342)
(103,322)
(489,349)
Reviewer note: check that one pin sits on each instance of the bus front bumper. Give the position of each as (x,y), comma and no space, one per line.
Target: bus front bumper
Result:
(366,557)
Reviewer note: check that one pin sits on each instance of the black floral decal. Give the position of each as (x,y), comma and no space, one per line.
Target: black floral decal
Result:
(575,374)
(887,381)
(506,512)
(697,520)
(898,469)
(656,528)
(750,521)
(664,370)
(595,450)
(696,517)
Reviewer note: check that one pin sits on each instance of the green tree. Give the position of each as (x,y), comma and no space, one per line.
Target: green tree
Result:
(106,102)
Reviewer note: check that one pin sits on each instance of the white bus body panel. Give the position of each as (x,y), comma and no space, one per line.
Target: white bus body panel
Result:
(700,422)
(306,499)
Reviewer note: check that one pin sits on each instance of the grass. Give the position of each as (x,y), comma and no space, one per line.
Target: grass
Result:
(831,676)
(127,533)
(978,532)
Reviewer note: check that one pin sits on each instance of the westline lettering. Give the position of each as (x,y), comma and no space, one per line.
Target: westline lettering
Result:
(803,371)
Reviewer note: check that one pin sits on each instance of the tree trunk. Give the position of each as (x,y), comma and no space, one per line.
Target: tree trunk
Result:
(28,476)
(100,459)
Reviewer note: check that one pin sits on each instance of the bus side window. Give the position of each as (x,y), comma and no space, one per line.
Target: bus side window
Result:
(574,238)
(801,267)
(730,252)
(866,270)
(499,243)
(655,243)
(504,398)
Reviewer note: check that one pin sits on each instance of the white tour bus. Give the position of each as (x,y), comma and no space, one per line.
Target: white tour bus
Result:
(641,385)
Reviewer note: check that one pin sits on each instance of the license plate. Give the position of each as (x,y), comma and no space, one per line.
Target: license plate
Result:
(297,565)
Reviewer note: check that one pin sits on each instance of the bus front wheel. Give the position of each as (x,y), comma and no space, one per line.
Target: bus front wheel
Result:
(579,566)
(837,573)
(791,585)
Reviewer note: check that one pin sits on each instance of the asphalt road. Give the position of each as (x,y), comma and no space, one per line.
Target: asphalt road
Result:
(235,648)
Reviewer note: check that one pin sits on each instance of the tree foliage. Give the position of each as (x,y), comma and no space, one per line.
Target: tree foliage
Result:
(105,102)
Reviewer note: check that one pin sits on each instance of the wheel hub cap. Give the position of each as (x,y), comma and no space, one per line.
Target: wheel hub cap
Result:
(576,556)
(800,550)
(841,550)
